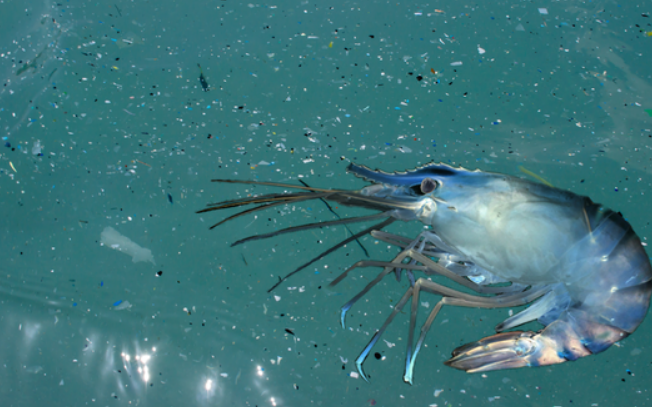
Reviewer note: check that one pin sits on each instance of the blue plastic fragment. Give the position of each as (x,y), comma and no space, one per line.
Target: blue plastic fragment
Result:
(115,304)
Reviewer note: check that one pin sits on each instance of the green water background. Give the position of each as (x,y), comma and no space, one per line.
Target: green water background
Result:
(104,122)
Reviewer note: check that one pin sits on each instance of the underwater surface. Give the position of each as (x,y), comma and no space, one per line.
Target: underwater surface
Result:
(115,116)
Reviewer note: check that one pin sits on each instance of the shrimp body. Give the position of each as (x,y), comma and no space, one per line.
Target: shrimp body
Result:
(579,265)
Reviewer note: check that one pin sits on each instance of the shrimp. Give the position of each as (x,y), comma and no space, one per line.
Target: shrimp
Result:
(506,242)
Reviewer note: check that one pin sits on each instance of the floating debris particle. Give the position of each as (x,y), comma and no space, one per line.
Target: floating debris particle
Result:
(113,239)
(202,80)
(121,305)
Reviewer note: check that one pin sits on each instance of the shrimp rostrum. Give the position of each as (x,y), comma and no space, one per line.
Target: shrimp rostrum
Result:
(504,242)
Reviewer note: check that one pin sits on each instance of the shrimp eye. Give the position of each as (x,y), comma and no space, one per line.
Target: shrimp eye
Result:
(427,186)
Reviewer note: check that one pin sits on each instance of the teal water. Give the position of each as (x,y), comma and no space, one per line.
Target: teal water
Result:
(105,123)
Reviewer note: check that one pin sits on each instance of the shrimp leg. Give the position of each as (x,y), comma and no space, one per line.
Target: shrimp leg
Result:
(428,266)
(463,300)
(450,297)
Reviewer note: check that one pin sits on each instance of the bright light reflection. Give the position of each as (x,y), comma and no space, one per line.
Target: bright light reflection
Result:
(260,370)
(273,401)
(209,385)
(142,367)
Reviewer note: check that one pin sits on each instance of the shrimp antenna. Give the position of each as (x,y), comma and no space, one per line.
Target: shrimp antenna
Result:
(380,225)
